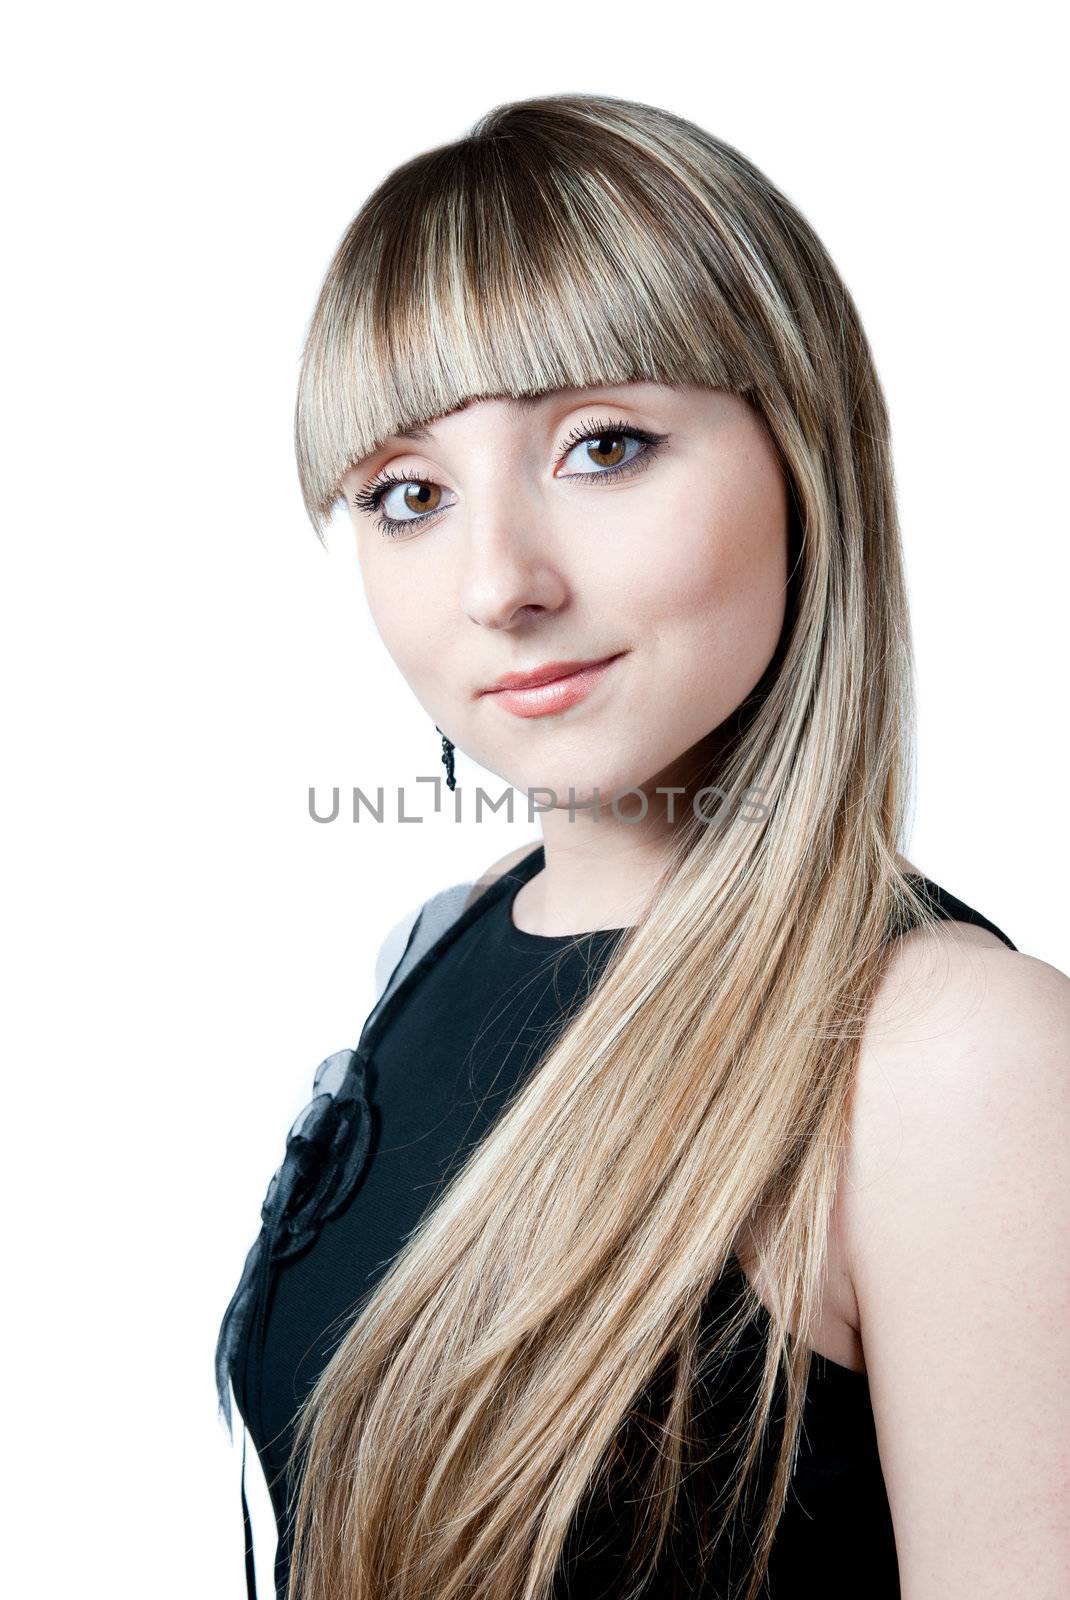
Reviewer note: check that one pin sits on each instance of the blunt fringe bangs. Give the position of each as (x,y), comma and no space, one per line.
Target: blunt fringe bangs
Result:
(537,254)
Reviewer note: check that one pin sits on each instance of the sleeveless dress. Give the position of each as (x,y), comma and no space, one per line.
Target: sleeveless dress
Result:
(468,1005)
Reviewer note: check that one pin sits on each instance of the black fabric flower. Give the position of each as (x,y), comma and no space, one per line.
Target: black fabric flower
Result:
(326,1149)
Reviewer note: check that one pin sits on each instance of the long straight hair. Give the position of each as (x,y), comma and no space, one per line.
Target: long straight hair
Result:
(703,1088)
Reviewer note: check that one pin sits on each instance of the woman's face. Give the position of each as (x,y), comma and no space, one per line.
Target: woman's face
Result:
(543,533)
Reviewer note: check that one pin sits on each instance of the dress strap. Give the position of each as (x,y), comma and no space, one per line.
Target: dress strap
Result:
(247,1523)
(950,908)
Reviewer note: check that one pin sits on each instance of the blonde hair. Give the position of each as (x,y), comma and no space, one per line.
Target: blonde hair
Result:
(704,1086)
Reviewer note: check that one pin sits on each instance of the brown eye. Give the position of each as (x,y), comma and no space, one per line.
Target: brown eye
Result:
(607,450)
(419,497)
(408,502)
(399,504)
(601,450)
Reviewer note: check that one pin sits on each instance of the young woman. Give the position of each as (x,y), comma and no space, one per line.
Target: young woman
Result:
(691,1214)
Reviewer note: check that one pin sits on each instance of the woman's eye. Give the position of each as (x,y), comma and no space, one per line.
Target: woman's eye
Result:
(400,504)
(418,496)
(604,448)
(597,449)
(602,452)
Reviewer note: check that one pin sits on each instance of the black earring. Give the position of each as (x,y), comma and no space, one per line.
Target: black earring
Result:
(447,759)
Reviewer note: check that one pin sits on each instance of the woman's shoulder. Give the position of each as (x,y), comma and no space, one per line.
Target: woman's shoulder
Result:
(960,1023)
(957,992)
(955,1215)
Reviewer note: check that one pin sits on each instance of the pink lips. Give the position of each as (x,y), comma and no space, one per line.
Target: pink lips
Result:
(525,698)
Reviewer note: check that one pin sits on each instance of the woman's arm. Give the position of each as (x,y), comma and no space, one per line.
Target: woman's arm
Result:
(957,1214)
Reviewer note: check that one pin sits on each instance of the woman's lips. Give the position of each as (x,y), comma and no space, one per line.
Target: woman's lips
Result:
(543,699)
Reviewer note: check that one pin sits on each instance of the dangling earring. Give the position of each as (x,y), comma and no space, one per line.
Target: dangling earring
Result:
(447,759)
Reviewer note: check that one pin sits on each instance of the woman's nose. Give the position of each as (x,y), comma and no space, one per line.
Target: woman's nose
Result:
(509,570)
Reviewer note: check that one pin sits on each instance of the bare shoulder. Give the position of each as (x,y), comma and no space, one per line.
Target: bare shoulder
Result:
(495,871)
(955,1219)
(958,1017)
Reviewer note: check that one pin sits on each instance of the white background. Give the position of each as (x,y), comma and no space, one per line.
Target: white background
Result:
(182,658)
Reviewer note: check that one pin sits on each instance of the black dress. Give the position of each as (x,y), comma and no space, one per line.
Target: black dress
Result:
(469,1010)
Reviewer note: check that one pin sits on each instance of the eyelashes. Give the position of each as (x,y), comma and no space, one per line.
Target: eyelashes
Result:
(369,498)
